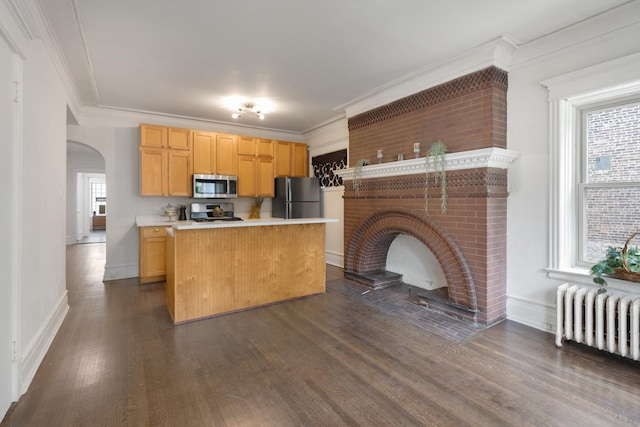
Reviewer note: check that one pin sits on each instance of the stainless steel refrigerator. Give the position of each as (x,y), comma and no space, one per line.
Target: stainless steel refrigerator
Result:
(296,198)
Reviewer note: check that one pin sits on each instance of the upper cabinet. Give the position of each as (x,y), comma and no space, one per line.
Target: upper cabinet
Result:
(226,154)
(153,136)
(291,159)
(283,158)
(300,160)
(165,161)
(255,167)
(170,156)
(204,152)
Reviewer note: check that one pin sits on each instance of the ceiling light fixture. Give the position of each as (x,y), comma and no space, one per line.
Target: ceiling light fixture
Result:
(250,109)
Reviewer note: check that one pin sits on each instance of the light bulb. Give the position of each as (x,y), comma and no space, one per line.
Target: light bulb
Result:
(261,116)
(235,115)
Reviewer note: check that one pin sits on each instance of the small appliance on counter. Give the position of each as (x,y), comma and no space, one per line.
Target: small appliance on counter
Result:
(296,198)
(212,211)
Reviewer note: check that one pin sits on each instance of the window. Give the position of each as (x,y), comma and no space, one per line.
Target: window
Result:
(98,196)
(609,187)
(594,119)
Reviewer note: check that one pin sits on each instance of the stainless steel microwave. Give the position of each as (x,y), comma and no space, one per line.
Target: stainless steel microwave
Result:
(215,186)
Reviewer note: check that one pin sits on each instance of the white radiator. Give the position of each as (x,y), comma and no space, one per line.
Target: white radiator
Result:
(610,322)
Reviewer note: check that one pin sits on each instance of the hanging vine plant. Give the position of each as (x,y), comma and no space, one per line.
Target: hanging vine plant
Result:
(435,159)
(357,174)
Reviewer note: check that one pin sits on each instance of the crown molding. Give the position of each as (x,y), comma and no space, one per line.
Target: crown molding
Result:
(581,33)
(113,116)
(497,53)
(482,158)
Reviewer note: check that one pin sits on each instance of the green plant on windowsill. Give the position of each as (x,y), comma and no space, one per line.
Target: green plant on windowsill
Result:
(619,263)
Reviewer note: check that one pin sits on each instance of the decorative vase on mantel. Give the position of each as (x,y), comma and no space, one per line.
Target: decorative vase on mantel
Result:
(254,210)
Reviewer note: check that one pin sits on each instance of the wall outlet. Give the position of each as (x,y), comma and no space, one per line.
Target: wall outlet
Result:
(547,326)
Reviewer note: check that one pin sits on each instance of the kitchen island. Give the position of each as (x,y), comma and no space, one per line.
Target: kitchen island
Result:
(217,268)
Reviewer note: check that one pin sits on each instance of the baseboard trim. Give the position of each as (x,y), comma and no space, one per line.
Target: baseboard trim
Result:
(534,314)
(37,349)
(334,258)
(122,271)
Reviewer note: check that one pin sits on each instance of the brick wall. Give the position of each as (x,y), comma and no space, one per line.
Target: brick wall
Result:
(613,138)
(470,239)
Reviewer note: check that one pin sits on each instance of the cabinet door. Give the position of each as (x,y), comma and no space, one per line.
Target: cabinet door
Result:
(299,165)
(264,148)
(152,252)
(247,176)
(179,173)
(265,180)
(153,179)
(204,152)
(246,146)
(153,136)
(283,158)
(226,154)
(179,139)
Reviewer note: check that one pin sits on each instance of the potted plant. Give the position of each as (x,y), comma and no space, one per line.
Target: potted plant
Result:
(357,174)
(435,159)
(254,210)
(620,263)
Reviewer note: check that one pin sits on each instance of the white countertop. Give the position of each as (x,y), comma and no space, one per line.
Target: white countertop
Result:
(161,221)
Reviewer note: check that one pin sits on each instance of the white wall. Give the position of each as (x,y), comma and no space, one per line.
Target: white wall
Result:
(530,292)
(328,138)
(8,192)
(43,188)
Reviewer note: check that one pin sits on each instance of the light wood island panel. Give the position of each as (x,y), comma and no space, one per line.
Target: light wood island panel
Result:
(219,270)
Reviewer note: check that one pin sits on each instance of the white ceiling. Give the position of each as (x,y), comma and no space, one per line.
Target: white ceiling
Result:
(184,58)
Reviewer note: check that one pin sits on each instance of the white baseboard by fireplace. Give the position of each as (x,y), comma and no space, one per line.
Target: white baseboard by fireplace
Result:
(533,314)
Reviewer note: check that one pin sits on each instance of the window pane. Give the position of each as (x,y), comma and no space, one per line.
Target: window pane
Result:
(612,215)
(613,144)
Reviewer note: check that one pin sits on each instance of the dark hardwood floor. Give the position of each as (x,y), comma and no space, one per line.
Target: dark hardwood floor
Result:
(318,361)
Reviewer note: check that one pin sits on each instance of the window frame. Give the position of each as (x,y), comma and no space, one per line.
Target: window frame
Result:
(582,185)
(568,95)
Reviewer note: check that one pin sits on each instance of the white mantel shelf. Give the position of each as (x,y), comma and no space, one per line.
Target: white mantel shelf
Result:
(483,158)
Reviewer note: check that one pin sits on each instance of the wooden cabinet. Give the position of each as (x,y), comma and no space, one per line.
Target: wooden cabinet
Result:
(283,158)
(179,139)
(153,136)
(165,161)
(264,179)
(255,172)
(204,152)
(179,173)
(247,176)
(152,254)
(170,156)
(226,154)
(153,172)
(291,159)
(264,147)
(299,160)
(246,146)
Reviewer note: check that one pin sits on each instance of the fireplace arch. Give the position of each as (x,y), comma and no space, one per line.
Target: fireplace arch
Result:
(367,250)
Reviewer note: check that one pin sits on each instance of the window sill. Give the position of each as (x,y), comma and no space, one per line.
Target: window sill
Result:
(582,276)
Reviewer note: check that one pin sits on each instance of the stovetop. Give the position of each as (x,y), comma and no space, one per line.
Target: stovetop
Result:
(217,218)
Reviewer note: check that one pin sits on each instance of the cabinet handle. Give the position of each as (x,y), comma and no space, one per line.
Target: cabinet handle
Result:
(155,230)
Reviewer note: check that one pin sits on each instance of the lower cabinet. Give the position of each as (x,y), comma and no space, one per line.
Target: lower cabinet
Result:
(152,254)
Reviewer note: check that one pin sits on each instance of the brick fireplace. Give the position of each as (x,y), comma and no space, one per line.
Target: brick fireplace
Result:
(469,241)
